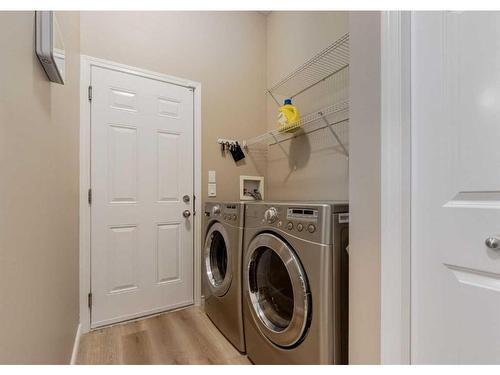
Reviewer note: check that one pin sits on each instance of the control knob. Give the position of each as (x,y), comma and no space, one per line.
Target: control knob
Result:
(216,210)
(271,215)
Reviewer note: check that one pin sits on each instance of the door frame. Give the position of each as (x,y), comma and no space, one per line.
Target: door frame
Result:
(86,64)
(396,199)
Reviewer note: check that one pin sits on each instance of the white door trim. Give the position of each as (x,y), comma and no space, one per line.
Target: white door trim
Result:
(396,188)
(85,67)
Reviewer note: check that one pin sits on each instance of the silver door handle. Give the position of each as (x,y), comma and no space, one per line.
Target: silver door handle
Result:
(492,242)
(186,213)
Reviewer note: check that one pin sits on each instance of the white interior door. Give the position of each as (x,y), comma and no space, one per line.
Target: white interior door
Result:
(455,187)
(141,168)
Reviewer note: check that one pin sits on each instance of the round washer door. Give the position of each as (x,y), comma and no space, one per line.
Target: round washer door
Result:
(218,259)
(277,290)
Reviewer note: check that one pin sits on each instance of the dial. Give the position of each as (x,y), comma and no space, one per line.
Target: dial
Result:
(311,228)
(216,210)
(271,215)
(300,227)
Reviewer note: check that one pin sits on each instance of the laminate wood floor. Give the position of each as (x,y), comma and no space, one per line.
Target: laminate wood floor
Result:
(180,337)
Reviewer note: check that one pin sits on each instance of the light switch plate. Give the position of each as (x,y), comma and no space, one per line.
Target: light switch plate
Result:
(211,177)
(212,190)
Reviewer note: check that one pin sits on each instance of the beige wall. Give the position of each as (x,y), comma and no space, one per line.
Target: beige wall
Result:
(225,51)
(39,127)
(364,188)
(315,169)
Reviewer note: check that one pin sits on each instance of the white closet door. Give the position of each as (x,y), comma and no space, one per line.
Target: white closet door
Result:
(455,187)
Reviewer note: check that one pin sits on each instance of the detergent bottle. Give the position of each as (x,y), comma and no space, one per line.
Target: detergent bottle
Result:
(288,117)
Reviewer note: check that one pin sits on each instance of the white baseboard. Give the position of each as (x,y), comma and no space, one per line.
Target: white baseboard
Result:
(76,345)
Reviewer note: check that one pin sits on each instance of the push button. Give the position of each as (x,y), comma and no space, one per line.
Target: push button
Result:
(300,227)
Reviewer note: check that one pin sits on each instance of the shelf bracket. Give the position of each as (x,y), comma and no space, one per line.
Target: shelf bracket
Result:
(329,126)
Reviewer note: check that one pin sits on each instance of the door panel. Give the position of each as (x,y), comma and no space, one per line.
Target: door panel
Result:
(122,164)
(455,187)
(142,164)
(122,258)
(168,163)
(168,256)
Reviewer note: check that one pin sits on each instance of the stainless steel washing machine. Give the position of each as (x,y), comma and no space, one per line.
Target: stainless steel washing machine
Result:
(222,257)
(294,270)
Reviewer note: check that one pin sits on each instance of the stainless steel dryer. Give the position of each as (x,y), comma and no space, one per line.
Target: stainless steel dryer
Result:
(222,257)
(292,279)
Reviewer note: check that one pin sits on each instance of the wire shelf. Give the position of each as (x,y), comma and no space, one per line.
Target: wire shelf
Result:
(324,118)
(325,64)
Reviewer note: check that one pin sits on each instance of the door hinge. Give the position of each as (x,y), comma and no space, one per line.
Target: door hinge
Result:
(89,196)
(90,93)
(194,204)
(90,300)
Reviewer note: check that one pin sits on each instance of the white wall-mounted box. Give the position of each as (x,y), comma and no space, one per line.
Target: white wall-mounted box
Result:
(254,184)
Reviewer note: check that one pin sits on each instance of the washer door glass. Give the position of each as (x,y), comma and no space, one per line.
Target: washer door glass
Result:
(277,290)
(218,260)
(271,281)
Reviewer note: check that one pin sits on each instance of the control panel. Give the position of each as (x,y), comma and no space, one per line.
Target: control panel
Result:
(293,219)
(308,221)
(230,212)
(226,211)
(302,219)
